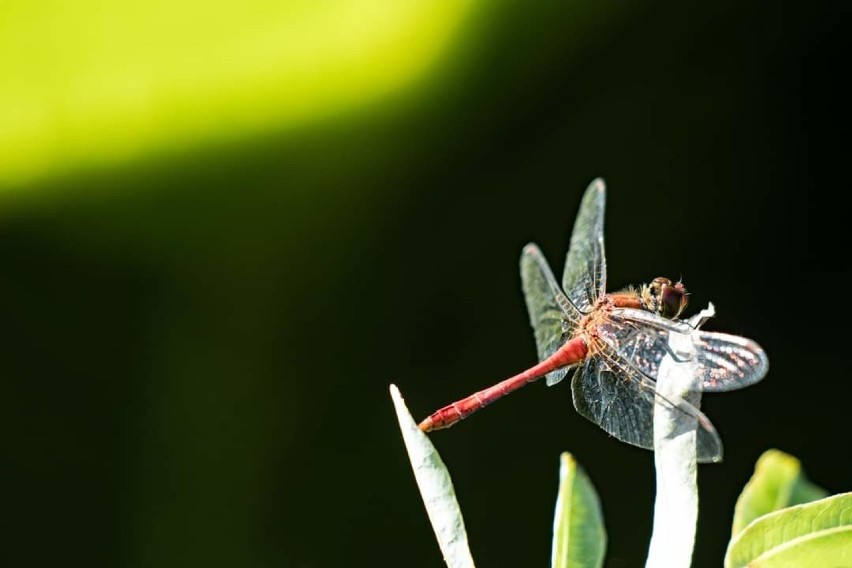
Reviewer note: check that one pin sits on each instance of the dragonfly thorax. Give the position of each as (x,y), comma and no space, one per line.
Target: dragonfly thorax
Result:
(664,298)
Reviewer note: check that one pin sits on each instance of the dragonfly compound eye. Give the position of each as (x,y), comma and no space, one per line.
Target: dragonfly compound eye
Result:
(673,299)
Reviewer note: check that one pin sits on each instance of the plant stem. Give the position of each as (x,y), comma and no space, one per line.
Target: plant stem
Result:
(675,434)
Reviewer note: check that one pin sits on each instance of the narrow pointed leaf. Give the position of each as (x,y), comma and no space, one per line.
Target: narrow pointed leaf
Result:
(579,537)
(778,482)
(436,489)
(816,534)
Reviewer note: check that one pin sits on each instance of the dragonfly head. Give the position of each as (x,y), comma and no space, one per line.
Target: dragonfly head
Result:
(665,298)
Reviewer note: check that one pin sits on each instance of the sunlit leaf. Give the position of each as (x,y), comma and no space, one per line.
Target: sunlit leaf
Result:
(813,534)
(436,488)
(579,537)
(778,482)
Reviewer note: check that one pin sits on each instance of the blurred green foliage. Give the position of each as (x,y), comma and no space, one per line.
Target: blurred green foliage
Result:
(782,519)
(91,84)
(778,482)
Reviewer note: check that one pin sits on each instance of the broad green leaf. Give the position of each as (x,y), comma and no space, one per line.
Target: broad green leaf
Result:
(436,489)
(579,538)
(817,534)
(778,482)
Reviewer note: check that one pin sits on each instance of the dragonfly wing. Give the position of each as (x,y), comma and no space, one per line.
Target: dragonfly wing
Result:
(584,279)
(623,402)
(723,362)
(606,400)
(729,362)
(552,316)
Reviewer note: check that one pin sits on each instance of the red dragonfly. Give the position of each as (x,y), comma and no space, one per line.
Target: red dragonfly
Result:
(616,342)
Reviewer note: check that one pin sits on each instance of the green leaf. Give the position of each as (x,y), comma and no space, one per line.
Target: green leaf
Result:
(817,534)
(778,482)
(436,489)
(579,538)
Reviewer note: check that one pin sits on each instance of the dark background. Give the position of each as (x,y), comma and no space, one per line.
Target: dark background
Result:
(197,350)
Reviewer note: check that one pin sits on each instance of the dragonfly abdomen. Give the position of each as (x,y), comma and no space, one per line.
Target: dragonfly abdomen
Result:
(571,353)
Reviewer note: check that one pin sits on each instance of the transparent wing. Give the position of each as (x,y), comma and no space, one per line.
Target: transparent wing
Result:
(729,362)
(723,362)
(584,279)
(552,316)
(621,401)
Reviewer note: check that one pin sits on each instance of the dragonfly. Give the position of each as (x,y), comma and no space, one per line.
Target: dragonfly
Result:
(615,343)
